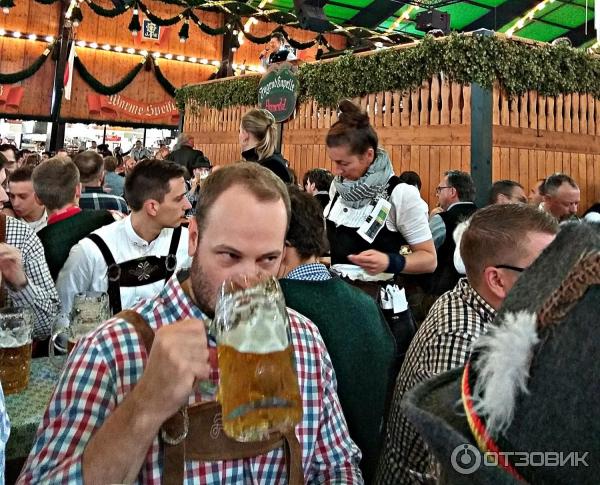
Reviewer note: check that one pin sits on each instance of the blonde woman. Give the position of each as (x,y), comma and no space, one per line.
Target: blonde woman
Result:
(258,137)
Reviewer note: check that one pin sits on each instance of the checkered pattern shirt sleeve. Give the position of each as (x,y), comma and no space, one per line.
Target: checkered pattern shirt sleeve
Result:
(443,342)
(102,201)
(104,367)
(39,294)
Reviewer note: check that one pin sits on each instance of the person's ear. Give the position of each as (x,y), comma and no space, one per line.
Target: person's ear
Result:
(193,237)
(78,191)
(495,282)
(37,199)
(151,207)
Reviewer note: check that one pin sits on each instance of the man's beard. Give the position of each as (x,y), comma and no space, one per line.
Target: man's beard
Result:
(204,295)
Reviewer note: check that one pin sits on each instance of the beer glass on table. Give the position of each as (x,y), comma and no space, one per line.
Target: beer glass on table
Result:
(89,310)
(16,329)
(258,385)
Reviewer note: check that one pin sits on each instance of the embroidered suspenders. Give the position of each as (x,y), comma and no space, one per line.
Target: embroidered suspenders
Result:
(195,433)
(136,272)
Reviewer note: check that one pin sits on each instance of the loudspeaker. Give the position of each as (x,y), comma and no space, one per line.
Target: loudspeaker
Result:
(311,16)
(433,19)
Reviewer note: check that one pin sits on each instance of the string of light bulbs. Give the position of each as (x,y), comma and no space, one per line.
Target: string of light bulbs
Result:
(159,55)
(402,18)
(528,17)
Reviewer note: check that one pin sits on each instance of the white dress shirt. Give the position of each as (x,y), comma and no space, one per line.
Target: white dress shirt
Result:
(85,268)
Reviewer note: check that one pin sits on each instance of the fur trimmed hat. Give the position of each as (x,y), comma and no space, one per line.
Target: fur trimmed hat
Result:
(525,406)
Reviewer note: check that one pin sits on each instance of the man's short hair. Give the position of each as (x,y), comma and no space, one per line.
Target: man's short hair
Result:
(554,181)
(463,183)
(90,165)
(502,187)
(411,178)
(497,235)
(55,182)
(259,181)
(149,179)
(110,164)
(320,177)
(279,36)
(3,160)
(4,147)
(21,174)
(306,233)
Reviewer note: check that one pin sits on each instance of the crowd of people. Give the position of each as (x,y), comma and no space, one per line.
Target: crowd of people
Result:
(383,294)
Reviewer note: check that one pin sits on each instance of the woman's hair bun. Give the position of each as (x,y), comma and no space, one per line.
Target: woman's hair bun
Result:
(352,115)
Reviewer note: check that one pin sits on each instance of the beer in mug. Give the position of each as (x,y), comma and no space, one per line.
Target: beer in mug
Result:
(258,386)
(16,328)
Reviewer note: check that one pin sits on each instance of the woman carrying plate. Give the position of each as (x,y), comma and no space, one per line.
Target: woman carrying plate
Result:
(371,215)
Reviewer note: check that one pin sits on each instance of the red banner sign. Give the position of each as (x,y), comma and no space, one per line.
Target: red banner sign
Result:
(117,106)
(10,98)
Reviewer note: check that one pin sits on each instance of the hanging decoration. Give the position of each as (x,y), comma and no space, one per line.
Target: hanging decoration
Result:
(101,88)
(106,12)
(134,25)
(19,76)
(234,11)
(6,5)
(125,81)
(162,80)
(516,66)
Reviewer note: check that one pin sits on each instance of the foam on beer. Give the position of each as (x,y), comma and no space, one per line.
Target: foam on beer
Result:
(253,331)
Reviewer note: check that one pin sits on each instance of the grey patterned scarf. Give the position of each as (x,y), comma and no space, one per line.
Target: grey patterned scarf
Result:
(358,193)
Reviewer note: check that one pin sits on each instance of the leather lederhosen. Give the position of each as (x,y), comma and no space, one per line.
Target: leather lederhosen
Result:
(195,433)
(136,272)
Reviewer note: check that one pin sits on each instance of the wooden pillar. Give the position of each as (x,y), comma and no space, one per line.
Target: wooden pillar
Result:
(481,137)
(57,133)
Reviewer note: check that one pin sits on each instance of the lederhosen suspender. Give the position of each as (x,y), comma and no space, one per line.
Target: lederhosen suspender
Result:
(136,272)
(200,437)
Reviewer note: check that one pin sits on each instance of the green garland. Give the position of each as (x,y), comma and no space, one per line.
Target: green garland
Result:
(106,12)
(162,80)
(15,77)
(517,66)
(235,92)
(103,88)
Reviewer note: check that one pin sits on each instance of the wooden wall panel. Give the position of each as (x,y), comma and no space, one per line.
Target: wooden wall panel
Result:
(428,131)
(114,32)
(109,67)
(29,17)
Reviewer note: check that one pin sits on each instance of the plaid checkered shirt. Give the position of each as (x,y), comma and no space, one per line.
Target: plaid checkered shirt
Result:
(106,364)
(310,272)
(442,343)
(96,198)
(39,295)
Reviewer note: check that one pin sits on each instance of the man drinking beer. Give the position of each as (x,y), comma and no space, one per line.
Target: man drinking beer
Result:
(102,424)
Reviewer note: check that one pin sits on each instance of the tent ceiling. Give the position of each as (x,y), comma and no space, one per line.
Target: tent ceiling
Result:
(551,19)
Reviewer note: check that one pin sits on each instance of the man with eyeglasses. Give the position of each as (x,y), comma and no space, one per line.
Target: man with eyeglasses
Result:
(499,243)
(455,194)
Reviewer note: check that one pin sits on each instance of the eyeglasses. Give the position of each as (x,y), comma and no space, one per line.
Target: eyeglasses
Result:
(439,188)
(508,266)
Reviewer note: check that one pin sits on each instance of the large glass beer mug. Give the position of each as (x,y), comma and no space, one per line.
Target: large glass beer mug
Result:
(16,329)
(89,310)
(258,386)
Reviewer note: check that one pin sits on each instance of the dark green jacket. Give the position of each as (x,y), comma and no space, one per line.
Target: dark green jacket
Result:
(60,237)
(362,351)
